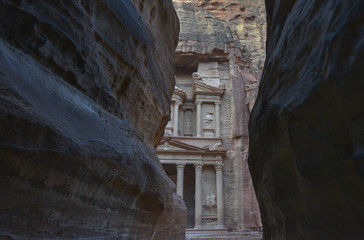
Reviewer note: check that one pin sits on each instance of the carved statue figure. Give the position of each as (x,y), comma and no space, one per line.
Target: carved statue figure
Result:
(217,146)
(210,201)
(169,127)
(221,86)
(196,76)
(188,127)
(169,124)
(208,120)
(251,94)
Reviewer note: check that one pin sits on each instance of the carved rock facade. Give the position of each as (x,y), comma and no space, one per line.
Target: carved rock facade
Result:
(85,88)
(307,126)
(218,59)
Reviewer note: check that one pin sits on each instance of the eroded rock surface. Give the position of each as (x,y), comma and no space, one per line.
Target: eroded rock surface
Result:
(212,27)
(307,126)
(85,90)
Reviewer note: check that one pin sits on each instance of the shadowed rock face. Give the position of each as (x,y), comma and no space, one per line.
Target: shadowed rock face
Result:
(307,127)
(84,95)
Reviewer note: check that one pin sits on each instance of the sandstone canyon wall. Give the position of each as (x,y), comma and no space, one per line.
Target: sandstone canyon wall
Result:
(307,127)
(85,90)
(228,38)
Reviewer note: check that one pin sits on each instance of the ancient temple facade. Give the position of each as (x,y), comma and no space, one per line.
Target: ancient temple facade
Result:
(206,142)
(192,141)
(197,150)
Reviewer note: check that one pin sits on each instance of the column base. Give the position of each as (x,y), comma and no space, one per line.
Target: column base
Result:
(220,227)
(204,230)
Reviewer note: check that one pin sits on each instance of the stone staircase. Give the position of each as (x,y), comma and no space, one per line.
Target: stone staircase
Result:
(227,235)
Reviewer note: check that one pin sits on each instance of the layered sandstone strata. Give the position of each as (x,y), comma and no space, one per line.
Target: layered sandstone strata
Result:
(209,27)
(225,42)
(85,90)
(307,126)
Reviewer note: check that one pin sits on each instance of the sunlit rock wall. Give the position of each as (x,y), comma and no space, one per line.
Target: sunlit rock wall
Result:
(232,34)
(84,96)
(307,126)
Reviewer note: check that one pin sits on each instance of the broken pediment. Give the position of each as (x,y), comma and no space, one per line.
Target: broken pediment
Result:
(168,144)
(201,88)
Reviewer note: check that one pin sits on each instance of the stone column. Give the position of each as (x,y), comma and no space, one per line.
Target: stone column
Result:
(182,122)
(180,169)
(175,118)
(217,119)
(198,118)
(219,197)
(198,196)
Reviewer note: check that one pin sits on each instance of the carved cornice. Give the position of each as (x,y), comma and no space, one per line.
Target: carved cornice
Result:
(189,105)
(217,103)
(179,94)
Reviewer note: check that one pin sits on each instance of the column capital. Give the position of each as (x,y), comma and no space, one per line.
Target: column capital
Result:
(198,166)
(218,167)
(198,102)
(217,102)
(180,166)
(177,102)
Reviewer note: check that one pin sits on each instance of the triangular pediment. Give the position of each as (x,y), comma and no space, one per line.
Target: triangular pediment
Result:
(200,87)
(168,144)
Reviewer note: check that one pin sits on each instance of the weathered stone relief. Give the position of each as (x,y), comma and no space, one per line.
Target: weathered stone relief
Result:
(209,119)
(251,94)
(196,76)
(188,123)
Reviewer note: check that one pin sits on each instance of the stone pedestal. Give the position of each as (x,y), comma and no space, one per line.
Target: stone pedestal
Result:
(208,132)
